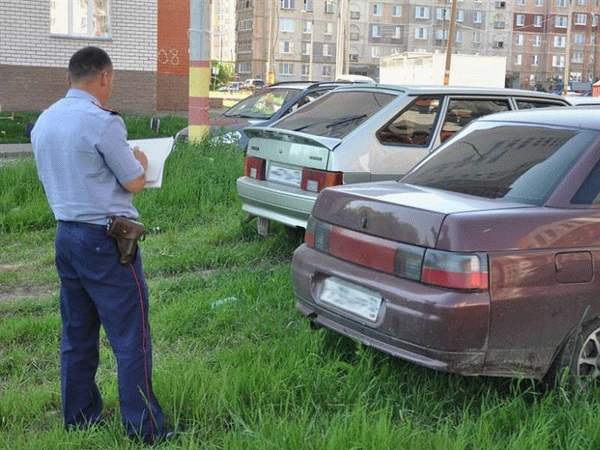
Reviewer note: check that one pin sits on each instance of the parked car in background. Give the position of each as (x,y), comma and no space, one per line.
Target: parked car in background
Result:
(362,132)
(483,260)
(253,84)
(234,86)
(263,108)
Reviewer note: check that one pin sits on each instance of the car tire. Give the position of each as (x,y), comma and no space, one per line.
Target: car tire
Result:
(578,363)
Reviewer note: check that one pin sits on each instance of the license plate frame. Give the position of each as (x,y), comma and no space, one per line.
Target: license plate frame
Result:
(284,175)
(351,298)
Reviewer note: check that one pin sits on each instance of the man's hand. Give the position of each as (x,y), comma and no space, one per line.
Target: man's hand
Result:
(137,184)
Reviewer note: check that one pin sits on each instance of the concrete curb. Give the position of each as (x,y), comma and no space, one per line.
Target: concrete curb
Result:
(15,150)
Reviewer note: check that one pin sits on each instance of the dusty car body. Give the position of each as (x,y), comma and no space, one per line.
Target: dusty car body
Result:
(364,132)
(483,260)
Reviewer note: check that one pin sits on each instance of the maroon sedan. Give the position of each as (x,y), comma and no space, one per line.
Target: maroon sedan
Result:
(483,260)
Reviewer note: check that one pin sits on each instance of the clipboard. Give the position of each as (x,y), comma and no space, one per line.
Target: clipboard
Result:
(157,150)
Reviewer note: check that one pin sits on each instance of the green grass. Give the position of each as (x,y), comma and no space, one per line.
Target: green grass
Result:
(235,364)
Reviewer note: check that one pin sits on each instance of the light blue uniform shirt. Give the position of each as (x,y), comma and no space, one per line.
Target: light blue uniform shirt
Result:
(83,159)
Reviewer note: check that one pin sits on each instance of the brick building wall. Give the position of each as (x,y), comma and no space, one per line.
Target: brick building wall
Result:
(33,61)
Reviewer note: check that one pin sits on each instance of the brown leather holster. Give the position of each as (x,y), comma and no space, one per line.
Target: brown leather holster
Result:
(127,233)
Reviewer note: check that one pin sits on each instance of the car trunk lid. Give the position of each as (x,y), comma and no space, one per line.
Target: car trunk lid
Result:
(290,148)
(399,212)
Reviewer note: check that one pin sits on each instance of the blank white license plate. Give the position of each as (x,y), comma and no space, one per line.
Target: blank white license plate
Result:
(284,175)
(352,298)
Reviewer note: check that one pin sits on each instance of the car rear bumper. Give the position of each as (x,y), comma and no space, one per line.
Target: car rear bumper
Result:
(286,204)
(433,327)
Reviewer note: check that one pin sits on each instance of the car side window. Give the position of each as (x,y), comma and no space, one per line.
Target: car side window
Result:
(531,104)
(413,126)
(589,191)
(461,111)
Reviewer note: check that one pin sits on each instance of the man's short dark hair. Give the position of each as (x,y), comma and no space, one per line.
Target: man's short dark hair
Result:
(88,62)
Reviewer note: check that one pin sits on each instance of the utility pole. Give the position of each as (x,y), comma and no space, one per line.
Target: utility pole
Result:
(567,75)
(450,41)
(199,68)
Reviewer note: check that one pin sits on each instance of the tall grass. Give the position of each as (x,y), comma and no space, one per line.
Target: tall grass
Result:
(235,365)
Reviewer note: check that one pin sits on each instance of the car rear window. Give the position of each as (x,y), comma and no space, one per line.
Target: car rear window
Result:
(515,162)
(336,114)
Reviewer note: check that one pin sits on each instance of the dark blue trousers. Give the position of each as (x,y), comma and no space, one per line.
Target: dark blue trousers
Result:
(97,290)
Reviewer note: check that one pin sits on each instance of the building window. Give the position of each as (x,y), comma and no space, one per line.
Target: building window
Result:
(244,67)
(286,46)
(561,3)
(326,50)
(307,26)
(327,71)
(306,48)
(520,2)
(442,13)
(580,19)
(353,57)
(376,31)
(377,9)
(579,38)
(559,41)
(305,70)
(537,21)
(460,15)
(397,33)
(459,36)
(535,60)
(307,5)
(476,37)
(561,21)
(328,7)
(420,33)
(520,20)
(594,20)
(286,69)
(539,2)
(519,40)
(328,28)
(287,4)
(537,40)
(581,2)
(286,25)
(397,11)
(577,57)
(355,15)
(244,25)
(518,60)
(422,12)
(77,18)
(558,61)
(477,17)
(441,35)
(375,53)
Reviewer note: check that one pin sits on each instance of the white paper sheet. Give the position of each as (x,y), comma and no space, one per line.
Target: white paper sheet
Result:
(157,150)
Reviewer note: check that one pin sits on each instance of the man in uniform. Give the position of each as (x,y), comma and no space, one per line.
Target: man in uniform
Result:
(89,173)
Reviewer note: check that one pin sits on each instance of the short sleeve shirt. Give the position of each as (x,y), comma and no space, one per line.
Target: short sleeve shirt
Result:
(83,160)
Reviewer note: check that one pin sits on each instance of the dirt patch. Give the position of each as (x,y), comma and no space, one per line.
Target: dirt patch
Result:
(36,292)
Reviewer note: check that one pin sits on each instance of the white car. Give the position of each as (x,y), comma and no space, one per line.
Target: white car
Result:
(360,133)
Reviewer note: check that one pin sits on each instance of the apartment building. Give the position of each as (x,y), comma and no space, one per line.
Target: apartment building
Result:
(542,36)
(299,39)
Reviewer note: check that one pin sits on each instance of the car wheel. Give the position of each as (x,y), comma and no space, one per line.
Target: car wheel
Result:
(578,363)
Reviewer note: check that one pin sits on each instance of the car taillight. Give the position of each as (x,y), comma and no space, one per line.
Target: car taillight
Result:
(254,167)
(465,271)
(455,270)
(316,180)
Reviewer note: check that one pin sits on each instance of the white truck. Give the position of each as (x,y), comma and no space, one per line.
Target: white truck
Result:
(429,68)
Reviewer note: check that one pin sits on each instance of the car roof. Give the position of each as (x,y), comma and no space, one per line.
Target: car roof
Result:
(574,117)
(435,89)
(306,84)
